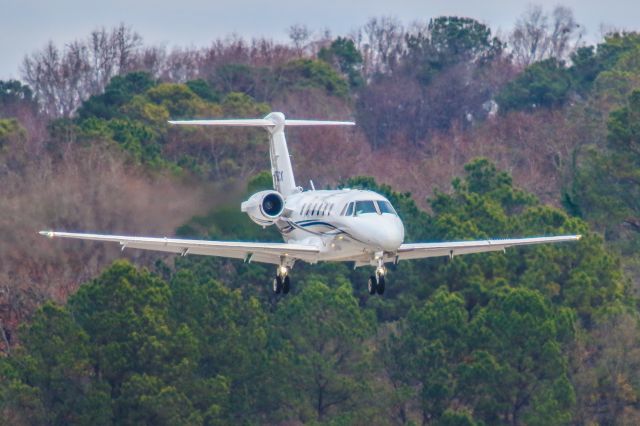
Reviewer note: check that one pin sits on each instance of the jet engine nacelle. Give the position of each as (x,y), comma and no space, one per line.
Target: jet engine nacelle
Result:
(264,207)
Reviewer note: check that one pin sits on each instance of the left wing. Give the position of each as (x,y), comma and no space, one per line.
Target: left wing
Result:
(255,252)
(423,250)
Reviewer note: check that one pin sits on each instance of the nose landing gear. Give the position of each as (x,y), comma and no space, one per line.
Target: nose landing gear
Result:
(376,283)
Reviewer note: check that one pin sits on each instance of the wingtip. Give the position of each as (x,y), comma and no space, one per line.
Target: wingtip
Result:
(49,234)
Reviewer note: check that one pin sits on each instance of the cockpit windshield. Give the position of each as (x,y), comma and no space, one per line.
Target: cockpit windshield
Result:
(357,208)
(386,207)
(365,207)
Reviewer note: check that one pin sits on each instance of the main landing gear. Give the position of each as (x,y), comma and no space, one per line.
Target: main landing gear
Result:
(376,283)
(282,282)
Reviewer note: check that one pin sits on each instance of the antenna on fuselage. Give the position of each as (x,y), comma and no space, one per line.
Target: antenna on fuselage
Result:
(313,188)
(274,123)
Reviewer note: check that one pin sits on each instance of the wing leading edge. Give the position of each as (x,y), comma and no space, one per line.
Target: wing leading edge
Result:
(274,252)
(455,248)
(258,252)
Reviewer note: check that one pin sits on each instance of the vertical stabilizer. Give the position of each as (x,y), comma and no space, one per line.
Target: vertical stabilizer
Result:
(281,171)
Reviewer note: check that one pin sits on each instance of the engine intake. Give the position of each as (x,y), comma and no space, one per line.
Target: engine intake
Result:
(264,207)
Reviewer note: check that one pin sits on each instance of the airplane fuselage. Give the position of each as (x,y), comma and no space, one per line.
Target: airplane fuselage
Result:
(343,224)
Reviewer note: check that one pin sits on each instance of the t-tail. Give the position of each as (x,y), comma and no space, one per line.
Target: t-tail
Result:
(275,122)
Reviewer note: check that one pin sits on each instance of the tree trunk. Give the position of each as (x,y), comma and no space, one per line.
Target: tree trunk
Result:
(5,340)
(320,407)
(634,222)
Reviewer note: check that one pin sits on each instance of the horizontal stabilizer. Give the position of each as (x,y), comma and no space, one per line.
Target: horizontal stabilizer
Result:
(317,123)
(268,121)
(259,122)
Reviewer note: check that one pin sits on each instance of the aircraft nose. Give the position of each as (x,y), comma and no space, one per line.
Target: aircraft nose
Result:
(390,234)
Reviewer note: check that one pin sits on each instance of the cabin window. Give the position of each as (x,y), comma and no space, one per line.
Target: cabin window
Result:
(302,209)
(365,207)
(386,207)
(308,209)
(330,208)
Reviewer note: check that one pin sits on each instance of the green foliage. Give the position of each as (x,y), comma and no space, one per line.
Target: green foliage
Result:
(235,78)
(520,370)
(308,73)
(132,347)
(260,182)
(10,130)
(456,418)
(481,339)
(589,62)
(610,66)
(203,90)
(13,91)
(624,127)
(503,362)
(134,110)
(124,313)
(119,91)
(348,59)
(544,84)
(240,105)
(322,331)
(432,343)
(55,380)
(485,204)
(275,82)
(605,187)
(146,400)
(178,99)
(425,89)
(450,40)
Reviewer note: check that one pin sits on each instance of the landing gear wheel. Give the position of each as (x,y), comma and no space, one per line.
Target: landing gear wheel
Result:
(371,285)
(277,284)
(286,285)
(380,286)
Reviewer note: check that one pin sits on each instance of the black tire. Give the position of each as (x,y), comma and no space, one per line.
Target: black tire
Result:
(286,285)
(372,285)
(277,285)
(380,286)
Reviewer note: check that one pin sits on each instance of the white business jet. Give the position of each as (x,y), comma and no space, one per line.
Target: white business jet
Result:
(345,225)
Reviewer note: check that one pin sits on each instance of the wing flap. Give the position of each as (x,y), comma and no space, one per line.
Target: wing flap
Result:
(455,248)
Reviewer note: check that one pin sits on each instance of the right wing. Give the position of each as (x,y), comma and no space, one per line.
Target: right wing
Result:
(254,252)
(454,248)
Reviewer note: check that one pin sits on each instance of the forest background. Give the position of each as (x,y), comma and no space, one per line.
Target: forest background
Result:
(470,135)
